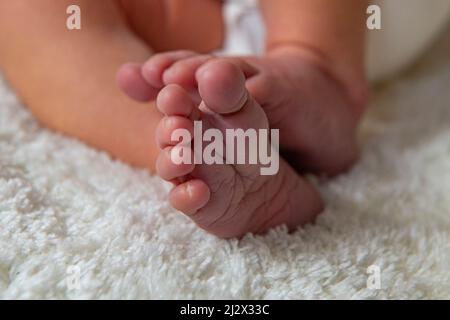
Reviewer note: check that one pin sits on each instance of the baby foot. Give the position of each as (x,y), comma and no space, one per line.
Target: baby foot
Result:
(224,199)
(312,110)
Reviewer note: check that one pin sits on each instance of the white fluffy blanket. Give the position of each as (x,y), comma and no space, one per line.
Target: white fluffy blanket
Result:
(76,224)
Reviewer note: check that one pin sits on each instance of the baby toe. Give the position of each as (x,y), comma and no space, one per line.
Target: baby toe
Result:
(130,80)
(172,129)
(223,89)
(221,85)
(169,164)
(189,197)
(183,71)
(173,100)
(154,68)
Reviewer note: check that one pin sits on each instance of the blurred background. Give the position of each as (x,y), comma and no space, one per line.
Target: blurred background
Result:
(409,27)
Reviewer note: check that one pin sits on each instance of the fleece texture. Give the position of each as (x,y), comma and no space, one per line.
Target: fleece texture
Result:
(76,224)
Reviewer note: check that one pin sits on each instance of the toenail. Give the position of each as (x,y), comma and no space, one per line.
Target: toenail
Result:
(168,122)
(241,103)
(189,190)
(168,73)
(200,72)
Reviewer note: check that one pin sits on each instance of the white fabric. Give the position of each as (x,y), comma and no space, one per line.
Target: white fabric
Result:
(64,205)
(244,28)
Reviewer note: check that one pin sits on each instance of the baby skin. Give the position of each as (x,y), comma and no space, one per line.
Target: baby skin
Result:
(308,85)
(228,200)
(314,137)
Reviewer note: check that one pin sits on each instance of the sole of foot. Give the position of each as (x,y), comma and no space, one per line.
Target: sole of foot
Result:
(227,200)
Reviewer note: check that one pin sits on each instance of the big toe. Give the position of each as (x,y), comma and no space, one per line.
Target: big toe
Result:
(221,85)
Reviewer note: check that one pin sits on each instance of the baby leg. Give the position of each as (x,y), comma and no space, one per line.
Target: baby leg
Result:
(67,78)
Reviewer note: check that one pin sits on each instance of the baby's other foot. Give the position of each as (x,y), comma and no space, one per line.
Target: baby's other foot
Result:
(227,200)
(317,114)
